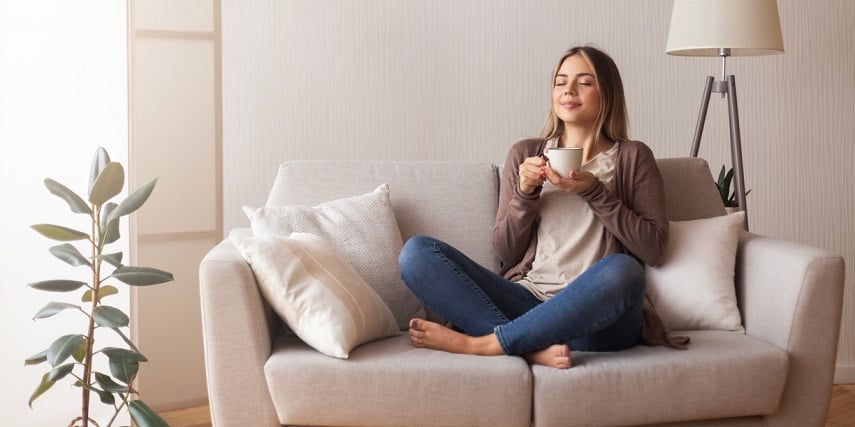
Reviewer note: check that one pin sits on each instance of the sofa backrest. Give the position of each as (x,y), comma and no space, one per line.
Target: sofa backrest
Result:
(690,191)
(457,201)
(452,201)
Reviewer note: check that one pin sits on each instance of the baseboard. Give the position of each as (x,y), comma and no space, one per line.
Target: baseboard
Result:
(844,374)
(182,404)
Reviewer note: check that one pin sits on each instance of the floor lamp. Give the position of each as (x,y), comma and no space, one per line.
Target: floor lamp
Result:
(725,28)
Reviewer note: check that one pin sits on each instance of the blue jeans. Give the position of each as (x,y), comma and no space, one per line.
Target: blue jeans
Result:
(598,311)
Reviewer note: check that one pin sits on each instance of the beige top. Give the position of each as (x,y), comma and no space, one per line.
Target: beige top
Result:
(569,239)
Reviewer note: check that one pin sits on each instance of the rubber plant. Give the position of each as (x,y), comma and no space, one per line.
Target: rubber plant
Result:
(72,356)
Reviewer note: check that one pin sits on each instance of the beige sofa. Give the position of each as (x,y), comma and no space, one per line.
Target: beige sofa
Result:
(778,373)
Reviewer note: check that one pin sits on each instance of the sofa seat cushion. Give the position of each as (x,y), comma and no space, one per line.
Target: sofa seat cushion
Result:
(391,383)
(722,374)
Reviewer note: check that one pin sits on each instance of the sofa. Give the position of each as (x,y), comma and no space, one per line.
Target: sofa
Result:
(778,371)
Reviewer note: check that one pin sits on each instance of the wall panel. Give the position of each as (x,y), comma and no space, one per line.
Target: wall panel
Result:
(175,137)
(170,15)
(175,124)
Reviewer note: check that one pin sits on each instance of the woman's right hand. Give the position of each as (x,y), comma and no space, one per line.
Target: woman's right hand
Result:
(532,174)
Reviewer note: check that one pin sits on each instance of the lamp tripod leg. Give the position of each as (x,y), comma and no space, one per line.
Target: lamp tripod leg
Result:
(736,148)
(702,116)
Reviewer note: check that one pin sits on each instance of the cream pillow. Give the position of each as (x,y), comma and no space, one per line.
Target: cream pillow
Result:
(363,229)
(318,294)
(693,288)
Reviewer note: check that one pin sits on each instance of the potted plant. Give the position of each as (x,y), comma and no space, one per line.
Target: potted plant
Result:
(728,196)
(72,356)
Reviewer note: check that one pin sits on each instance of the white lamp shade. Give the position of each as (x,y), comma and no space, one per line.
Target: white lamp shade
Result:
(746,27)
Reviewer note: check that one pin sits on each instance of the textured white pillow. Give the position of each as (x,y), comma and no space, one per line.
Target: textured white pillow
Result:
(363,229)
(318,294)
(693,288)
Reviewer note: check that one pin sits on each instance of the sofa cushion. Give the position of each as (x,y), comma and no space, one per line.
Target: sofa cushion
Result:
(722,374)
(391,383)
(693,288)
(317,292)
(363,229)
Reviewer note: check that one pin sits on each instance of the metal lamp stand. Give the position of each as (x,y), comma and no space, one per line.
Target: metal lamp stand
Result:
(726,87)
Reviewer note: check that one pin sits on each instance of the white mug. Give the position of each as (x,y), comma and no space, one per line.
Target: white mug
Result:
(564,159)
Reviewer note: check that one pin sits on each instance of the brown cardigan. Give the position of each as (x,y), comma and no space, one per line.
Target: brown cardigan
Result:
(634,219)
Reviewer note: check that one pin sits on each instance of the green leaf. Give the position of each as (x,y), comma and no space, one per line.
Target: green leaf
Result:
(106,396)
(144,416)
(53,308)
(108,384)
(123,354)
(60,372)
(110,229)
(104,291)
(59,285)
(108,184)
(80,353)
(123,370)
(124,364)
(133,202)
(44,386)
(60,233)
(142,276)
(99,161)
(68,253)
(110,317)
(63,347)
(36,359)
(113,259)
(75,202)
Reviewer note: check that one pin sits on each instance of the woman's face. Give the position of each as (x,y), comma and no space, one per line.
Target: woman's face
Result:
(575,96)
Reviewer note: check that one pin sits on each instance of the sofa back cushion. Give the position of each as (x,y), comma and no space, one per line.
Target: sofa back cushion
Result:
(452,201)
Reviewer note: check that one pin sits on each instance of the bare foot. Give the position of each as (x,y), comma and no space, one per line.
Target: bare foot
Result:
(555,356)
(427,334)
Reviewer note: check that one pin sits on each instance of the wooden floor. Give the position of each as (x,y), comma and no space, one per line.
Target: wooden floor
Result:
(842,413)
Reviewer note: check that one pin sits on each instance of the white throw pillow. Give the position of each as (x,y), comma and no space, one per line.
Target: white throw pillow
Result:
(693,288)
(318,294)
(363,229)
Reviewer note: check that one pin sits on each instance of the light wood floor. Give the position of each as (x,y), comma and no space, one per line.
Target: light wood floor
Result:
(842,413)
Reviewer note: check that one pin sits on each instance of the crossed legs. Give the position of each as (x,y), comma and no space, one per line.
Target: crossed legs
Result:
(600,311)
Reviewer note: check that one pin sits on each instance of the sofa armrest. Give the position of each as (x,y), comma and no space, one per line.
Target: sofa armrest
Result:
(791,296)
(237,340)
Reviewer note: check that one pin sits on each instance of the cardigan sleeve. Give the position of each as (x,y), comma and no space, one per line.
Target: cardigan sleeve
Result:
(637,219)
(517,214)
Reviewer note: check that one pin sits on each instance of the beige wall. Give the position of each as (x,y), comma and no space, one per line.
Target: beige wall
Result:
(175,137)
(446,79)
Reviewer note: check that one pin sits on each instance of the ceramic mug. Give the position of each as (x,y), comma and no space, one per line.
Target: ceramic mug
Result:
(564,159)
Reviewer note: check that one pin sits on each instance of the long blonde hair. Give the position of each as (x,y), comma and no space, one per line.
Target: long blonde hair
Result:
(612,120)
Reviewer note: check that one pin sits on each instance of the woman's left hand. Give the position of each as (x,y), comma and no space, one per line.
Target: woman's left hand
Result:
(577,182)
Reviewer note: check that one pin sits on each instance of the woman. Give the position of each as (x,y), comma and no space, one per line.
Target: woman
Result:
(572,249)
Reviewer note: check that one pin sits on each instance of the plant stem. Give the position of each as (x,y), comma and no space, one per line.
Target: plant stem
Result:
(119,409)
(96,284)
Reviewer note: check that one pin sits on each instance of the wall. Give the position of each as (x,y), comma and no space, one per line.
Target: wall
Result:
(392,79)
(63,93)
